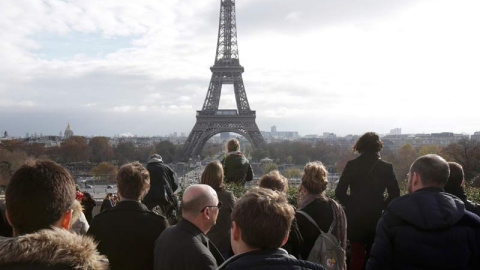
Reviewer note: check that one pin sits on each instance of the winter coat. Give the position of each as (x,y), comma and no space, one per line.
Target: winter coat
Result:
(88,209)
(163,183)
(427,229)
(126,234)
(219,234)
(366,201)
(50,249)
(272,259)
(185,247)
(106,204)
(237,168)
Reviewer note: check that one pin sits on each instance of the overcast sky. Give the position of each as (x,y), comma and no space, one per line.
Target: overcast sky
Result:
(142,67)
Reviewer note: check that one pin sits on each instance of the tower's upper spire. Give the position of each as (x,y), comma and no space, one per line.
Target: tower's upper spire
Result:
(227,47)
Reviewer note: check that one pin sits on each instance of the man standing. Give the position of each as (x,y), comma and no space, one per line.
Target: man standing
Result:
(127,232)
(163,183)
(428,228)
(261,221)
(185,245)
(235,165)
(39,203)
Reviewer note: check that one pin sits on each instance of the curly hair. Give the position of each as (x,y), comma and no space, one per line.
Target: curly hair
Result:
(314,178)
(368,143)
(133,181)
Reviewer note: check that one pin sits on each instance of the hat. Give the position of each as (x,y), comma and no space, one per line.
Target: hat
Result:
(155,158)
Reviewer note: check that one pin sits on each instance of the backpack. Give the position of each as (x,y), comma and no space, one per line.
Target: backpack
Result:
(327,250)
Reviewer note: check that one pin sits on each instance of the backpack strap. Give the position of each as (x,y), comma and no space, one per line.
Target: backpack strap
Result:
(310,219)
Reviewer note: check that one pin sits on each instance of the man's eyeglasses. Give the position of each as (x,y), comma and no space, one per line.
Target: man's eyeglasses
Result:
(218,206)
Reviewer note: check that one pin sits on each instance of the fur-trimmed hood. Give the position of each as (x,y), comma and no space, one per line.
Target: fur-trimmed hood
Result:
(52,247)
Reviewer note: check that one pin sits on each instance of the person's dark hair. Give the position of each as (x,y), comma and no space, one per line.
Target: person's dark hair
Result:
(109,196)
(274,181)
(368,143)
(432,169)
(314,179)
(233,145)
(88,197)
(133,181)
(264,217)
(213,175)
(38,195)
(456,174)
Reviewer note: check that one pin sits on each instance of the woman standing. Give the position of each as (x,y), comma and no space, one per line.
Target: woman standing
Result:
(220,233)
(368,177)
(107,202)
(326,212)
(88,204)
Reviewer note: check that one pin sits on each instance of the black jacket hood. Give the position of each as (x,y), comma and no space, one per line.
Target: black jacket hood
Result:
(428,208)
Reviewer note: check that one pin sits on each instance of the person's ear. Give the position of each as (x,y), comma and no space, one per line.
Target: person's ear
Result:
(66,219)
(236,233)
(285,240)
(8,218)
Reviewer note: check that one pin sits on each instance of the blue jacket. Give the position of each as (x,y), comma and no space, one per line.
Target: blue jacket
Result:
(427,229)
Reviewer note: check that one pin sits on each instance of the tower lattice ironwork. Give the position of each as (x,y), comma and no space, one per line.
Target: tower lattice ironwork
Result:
(226,70)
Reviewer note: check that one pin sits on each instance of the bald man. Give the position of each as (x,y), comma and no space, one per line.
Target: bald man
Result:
(185,245)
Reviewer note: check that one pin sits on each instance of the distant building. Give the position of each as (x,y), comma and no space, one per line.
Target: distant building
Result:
(396,131)
(476,136)
(273,129)
(68,132)
(5,134)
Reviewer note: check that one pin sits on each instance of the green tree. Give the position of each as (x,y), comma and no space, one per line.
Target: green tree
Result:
(75,149)
(292,173)
(9,163)
(101,150)
(466,153)
(125,152)
(429,149)
(105,171)
(268,167)
(406,155)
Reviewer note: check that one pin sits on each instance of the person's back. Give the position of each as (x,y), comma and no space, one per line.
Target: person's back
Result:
(163,183)
(39,198)
(127,232)
(236,166)
(428,228)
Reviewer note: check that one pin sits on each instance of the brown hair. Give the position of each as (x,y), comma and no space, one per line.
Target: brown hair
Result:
(456,174)
(233,145)
(38,195)
(433,170)
(213,175)
(133,181)
(368,143)
(314,178)
(264,218)
(274,181)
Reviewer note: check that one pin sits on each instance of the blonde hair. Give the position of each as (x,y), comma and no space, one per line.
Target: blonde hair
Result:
(213,175)
(274,181)
(233,145)
(315,177)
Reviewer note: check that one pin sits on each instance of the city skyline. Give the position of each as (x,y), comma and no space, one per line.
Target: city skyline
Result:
(324,66)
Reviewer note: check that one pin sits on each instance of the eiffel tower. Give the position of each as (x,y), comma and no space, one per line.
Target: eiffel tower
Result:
(226,70)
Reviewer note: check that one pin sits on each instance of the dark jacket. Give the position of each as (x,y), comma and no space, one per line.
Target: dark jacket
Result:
(366,201)
(52,249)
(185,247)
(237,169)
(163,183)
(126,234)
(427,229)
(274,259)
(88,209)
(106,204)
(460,193)
(322,213)
(219,234)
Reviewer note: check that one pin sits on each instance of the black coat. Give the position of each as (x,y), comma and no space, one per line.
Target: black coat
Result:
(185,247)
(126,234)
(366,201)
(427,229)
(163,183)
(459,191)
(219,234)
(274,259)
(237,168)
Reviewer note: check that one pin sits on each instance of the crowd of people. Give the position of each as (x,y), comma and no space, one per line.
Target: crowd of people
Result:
(434,226)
